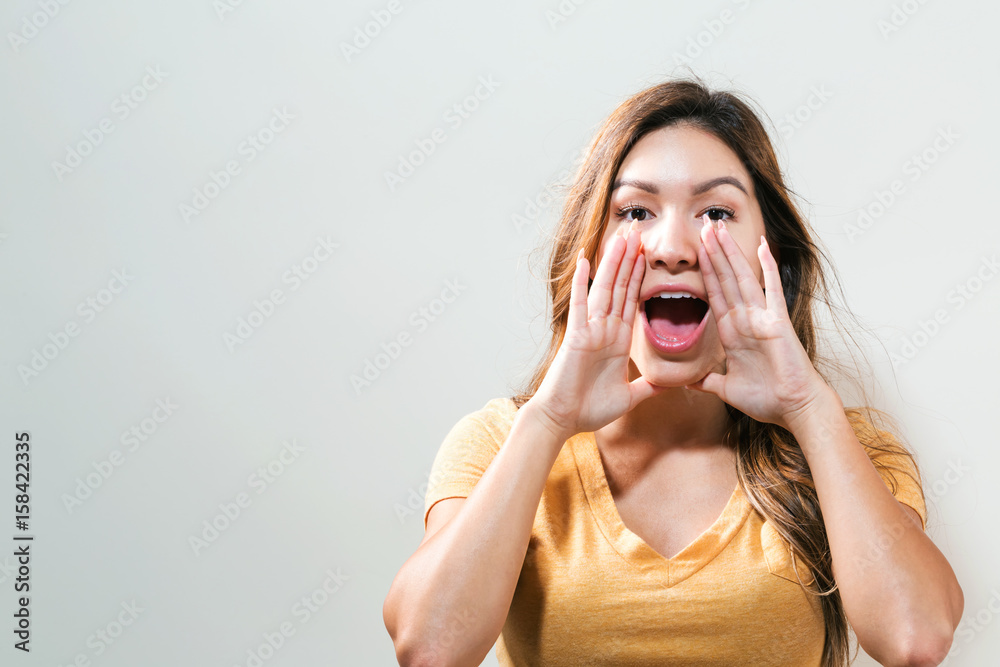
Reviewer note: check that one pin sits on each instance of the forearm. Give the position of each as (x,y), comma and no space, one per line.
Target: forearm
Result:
(899,592)
(452,596)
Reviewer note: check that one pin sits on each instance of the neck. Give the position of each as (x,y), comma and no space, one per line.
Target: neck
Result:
(677,418)
(674,419)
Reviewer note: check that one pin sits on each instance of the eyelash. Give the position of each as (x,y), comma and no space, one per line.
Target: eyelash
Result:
(627,208)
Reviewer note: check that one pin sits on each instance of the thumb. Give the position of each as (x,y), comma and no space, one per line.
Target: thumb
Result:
(640,389)
(713,383)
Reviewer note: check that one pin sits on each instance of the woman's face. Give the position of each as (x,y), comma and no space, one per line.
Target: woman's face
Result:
(671,182)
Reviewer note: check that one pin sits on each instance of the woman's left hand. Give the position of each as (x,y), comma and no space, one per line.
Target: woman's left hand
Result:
(768,373)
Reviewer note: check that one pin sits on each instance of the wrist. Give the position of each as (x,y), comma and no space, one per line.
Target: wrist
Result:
(535,412)
(823,403)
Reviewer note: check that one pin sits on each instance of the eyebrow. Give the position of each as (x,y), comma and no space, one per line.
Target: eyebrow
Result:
(697,190)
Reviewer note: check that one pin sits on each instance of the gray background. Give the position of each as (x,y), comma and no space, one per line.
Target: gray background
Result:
(340,504)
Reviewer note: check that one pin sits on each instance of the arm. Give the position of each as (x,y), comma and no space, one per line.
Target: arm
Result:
(900,594)
(464,573)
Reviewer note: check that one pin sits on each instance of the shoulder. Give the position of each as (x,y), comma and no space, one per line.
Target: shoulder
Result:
(496,416)
(881,437)
(467,451)
(500,410)
(486,427)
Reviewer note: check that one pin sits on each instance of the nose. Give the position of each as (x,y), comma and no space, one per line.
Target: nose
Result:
(671,242)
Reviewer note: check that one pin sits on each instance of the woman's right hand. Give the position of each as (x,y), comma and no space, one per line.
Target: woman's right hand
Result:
(586,387)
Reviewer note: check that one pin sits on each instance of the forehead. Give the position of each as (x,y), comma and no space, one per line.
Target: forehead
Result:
(681,155)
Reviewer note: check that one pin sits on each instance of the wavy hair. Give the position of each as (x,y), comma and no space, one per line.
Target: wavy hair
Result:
(771,467)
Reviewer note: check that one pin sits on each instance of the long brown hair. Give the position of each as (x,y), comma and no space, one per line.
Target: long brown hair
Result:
(771,467)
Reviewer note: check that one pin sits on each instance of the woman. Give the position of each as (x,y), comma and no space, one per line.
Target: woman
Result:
(678,484)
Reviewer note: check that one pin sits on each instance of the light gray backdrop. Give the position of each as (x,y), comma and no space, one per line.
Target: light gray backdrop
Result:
(201,253)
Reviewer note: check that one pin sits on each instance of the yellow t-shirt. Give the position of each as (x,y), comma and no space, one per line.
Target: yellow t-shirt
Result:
(591,592)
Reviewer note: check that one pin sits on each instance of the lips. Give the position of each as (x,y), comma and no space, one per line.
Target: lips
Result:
(674,317)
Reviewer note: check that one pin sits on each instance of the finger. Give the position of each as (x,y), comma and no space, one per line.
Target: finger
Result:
(716,299)
(632,299)
(774,294)
(747,282)
(723,269)
(624,276)
(578,293)
(599,301)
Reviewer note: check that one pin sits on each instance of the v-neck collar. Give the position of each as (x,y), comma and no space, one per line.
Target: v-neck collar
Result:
(631,547)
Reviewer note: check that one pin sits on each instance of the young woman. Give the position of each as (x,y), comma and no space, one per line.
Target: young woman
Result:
(679,484)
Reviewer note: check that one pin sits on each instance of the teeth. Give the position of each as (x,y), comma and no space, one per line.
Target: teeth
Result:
(674,295)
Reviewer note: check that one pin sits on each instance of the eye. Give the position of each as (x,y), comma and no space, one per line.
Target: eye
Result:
(625,213)
(716,213)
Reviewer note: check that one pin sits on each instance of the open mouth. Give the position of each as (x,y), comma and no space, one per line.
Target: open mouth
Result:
(674,318)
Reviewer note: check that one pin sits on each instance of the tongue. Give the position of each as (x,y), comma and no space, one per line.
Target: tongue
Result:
(674,319)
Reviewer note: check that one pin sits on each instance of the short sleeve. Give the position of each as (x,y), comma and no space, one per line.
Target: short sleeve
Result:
(894,465)
(467,450)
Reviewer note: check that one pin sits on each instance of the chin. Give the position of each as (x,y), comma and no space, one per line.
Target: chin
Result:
(667,373)
(681,369)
